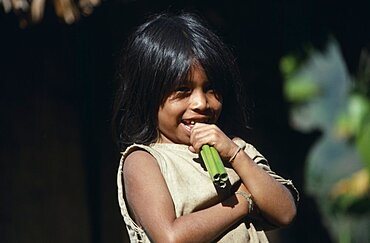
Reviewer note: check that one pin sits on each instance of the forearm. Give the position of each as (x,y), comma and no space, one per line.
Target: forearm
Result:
(273,199)
(204,225)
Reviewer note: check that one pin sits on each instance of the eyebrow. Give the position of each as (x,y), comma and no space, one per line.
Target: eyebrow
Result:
(185,82)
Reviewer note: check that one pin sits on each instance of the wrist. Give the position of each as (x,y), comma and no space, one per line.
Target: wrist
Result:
(246,197)
(234,154)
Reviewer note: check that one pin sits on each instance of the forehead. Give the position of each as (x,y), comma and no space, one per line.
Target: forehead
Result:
(196,75)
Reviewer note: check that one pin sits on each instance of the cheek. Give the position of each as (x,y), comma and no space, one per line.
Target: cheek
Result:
(215,102)
(169,112)
(218,111)
(216,106)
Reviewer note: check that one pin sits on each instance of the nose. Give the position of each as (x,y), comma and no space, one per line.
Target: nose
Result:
(198,101)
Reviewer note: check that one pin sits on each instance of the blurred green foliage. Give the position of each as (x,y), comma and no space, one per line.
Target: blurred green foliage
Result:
(323,96)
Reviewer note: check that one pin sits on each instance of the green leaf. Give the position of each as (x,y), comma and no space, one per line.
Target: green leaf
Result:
(319,89)
(300,89)
(288,65)
(363,146)
(359,111)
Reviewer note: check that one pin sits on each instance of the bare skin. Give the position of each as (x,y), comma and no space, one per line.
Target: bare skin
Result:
(146,191)
(273,199)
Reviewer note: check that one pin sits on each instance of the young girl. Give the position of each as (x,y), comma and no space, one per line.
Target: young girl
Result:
(179,90)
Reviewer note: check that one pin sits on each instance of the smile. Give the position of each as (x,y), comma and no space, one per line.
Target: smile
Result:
(190,123)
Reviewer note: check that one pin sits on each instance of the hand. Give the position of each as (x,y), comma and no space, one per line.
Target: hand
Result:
(212,135)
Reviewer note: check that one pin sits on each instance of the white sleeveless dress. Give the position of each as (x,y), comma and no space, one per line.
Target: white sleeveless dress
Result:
(191,187)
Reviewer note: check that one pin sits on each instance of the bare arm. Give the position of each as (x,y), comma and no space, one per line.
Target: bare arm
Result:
(273,199)
(152,207)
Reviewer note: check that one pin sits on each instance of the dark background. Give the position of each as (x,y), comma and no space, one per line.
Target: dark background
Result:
(58,161)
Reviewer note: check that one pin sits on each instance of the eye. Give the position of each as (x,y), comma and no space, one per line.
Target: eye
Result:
(209,88)
(181,92)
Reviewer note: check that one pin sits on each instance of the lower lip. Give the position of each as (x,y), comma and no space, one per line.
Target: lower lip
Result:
(187,128)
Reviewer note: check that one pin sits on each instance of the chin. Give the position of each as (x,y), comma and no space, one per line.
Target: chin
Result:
(183,139)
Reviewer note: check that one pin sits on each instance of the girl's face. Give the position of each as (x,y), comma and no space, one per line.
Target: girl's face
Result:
(193,101)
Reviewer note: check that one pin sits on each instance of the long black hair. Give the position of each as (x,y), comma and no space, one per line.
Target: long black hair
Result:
(156,58)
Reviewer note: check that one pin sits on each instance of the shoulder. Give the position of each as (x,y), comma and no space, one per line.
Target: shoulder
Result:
(138,161)
(140,171)
(137,153)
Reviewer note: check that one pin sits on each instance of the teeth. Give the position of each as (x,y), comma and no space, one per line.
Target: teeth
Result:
(192,123)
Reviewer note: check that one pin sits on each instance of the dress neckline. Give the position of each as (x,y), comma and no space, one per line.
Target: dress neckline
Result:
(176,146)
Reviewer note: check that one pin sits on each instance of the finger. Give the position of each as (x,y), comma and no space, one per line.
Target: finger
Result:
(201,138)
(191,148)
(203,130)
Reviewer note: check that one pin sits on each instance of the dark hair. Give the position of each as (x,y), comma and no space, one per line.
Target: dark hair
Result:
(156,58)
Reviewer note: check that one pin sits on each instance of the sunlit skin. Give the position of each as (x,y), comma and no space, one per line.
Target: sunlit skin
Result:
(194,101)
(188,116)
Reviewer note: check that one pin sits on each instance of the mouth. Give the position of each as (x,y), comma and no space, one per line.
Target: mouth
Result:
(190,123)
